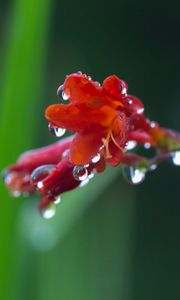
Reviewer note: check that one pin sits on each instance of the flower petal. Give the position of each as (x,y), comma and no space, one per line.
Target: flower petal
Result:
(84,147)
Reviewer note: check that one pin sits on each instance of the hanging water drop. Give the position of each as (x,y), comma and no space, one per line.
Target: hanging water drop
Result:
(131,145)
(134,175)
(80,173)
(49,212)
(96,158)
(40,173)
(176,158)
(56,131)
(57,200)
(84,182)
(60,90)
(64,94)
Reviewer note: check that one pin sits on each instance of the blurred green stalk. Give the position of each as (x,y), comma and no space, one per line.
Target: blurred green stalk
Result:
(22,82)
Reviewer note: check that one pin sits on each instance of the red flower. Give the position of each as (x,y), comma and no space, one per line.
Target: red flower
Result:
(104,119)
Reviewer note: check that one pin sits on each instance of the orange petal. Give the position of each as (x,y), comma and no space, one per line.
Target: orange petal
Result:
(79,118)
(116,155)
(84,147)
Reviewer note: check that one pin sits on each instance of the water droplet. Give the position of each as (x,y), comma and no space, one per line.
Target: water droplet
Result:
(176,158)
(97,83)
(134,175)
(153,124)
(65,153)
(64,94)
(89,78)
(153,167)
(39,184)
(80,173)
(60,90)
(84,182)
(123,87)
(40,173)
(79,73)
(56,131)
(131,145)
(147,145)
(57,200)
(49,212)
(140,110)
(15,193)
(96,158)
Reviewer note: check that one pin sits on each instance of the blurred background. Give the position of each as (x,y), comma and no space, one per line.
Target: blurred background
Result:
(109,240)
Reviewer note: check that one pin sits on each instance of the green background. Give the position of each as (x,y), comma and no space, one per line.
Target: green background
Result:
(108,240)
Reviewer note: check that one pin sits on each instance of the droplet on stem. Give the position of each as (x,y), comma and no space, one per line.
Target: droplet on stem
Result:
(80,173)
(39,174)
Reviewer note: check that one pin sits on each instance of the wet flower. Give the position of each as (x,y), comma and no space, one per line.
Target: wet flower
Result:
(106,123)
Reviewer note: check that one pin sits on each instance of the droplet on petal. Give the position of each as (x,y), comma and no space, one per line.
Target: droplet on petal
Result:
(49,212)
(96,158)
(124,88)
(84,182)
(39,174)
(65,153)
(80,173)
(134,175)
(57,200)
(130,145)
(60,90)
(176,158)
(56,131)
(147,145)
(64,94)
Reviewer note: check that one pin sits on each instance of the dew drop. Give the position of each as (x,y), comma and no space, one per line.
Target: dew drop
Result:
(60,90)
(140,110)
(96,158)
(79,73)
(80,173)
(57,200)
(15,193)
(134,175)
(153,167)
(131,145)
(153,124)
(39,184)
(97,83)
(40,173)
(65,96)
(147,145)
(65,153)
(56,131)
(89,78)
(49,212)
(176,158)
(84,182)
